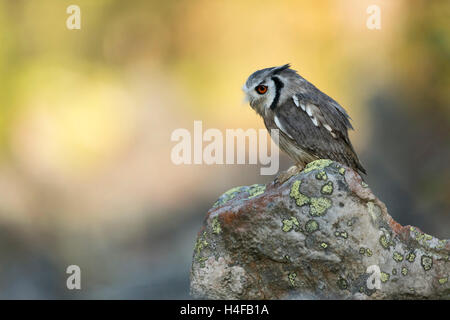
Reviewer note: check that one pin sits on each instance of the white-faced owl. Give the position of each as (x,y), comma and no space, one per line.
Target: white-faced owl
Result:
(311,124)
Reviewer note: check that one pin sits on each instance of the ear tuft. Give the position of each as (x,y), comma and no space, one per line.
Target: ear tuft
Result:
(280,68)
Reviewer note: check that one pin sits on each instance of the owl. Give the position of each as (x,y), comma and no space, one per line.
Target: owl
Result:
(311,124)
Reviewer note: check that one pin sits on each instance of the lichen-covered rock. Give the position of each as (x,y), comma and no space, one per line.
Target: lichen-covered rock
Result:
(320,235)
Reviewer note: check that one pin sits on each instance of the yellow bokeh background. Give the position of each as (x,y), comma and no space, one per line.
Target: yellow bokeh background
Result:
(86,116)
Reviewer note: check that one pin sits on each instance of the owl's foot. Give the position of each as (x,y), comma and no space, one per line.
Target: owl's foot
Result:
(286,175)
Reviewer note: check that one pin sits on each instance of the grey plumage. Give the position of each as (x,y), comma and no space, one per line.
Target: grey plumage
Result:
(312,125)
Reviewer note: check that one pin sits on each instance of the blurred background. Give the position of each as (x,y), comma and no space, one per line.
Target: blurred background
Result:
(86,117)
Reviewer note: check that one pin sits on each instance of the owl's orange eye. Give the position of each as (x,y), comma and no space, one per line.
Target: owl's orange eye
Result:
(261,89)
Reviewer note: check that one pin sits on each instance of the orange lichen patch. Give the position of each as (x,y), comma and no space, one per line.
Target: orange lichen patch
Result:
(395,226)
(355,184)
(228,217)
(401,231)
(243,207)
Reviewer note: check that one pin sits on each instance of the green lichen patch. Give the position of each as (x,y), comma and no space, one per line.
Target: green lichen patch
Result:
(416,234)
(256,190)
(311,226)
(342,284)
(227,196)
(324,245)
(369,252)
(327,188)
(426,262)
(410,257)
(422,237)
(385,243)
(397,256)
(199,246)
(342,170)
(362,250)
(344,235)
(321,175)
(216,228)
(202,260)
(292,276)
(317,165)
(201,243)
(441,244)
(384,277)
(253,191)
(319,206)
(404,271)
(300,198)
(443,280)
(289,224)
(394,271)
(364,185)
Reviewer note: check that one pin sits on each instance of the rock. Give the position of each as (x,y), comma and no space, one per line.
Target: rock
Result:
(320,235)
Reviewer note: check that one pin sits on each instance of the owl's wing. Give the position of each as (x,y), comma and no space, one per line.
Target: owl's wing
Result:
(319,125)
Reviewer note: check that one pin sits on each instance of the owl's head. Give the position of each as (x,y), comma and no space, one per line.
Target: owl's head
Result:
(267,88)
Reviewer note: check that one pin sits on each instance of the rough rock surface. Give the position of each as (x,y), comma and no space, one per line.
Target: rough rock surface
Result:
(320,235)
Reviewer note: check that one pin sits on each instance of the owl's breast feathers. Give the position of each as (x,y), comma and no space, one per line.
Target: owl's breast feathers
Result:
(312,130)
